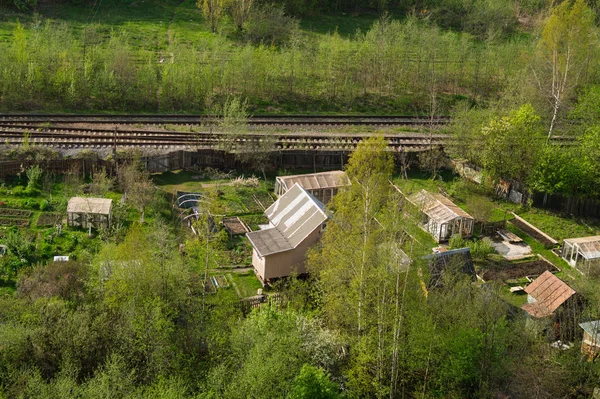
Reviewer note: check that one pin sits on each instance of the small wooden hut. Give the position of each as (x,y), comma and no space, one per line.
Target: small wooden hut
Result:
(89,212)
(590,344)
(441,217)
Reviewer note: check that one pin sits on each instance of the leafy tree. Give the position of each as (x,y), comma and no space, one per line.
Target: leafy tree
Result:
(512,144)
(565,170)
(313,383)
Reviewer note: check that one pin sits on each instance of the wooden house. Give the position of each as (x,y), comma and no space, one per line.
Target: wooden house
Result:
(296,223)
(89,212)
(441,217)
(322,186)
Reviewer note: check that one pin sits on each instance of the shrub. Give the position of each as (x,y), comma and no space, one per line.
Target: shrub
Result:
(269,24)
(456,241)
(44,205)
(481,249)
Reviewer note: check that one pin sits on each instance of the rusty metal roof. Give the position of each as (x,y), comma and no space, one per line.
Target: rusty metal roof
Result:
(589,247)
(293,217)
(437,207)
(315,181)
(549,293)
(89,205)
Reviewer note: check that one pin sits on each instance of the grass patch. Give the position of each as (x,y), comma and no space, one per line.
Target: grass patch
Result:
(247,283)
(558,226)
(419,180)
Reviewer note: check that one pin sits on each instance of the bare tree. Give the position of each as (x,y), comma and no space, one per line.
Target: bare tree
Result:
(137,186)
(564,53)
(240,11)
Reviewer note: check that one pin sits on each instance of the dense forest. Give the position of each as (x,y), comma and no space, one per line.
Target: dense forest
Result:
(129,316)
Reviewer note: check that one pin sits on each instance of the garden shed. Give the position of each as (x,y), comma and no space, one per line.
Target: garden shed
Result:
(590,344)
(441,217)
(89,212)
(546,294)
(296,223)
(323,185)
(582,252)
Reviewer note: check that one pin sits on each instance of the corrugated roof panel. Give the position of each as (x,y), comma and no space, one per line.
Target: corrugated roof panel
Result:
(315,181)
(294,216)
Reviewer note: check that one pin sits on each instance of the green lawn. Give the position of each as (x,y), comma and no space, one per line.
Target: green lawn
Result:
(246,283)
(559,226)
(148,24)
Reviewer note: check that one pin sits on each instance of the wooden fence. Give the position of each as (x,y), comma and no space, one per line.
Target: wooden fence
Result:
(313,160)
(586,207)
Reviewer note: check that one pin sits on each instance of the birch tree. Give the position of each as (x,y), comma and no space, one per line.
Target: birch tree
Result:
(564,52)
(213,11)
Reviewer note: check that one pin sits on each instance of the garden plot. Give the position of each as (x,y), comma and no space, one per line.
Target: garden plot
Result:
(235,226)
(513,271)
(7,221)
(17,213)
(49,219)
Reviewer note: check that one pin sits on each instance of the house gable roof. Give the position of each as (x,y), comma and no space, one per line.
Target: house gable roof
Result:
(293,216)
(549,293)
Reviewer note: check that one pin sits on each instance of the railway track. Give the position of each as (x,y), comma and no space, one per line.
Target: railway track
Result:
(15,129)
(71,137)
(197,120)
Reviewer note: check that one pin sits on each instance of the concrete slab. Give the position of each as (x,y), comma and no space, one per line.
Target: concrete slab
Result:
(512,251)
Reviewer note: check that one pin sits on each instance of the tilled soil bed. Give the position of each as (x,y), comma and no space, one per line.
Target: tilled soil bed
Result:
(21,213)
(510,271)
(537,236)
(4,221)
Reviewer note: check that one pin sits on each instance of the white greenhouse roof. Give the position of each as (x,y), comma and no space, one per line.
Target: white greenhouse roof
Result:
(89,205)
(437,207)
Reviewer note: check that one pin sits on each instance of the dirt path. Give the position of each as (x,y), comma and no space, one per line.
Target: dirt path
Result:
(169,31)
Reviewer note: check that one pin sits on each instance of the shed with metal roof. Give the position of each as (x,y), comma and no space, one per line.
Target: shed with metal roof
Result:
(583,252)
(546,294)
(296,222)
(89,212)
(441,217)
(323,185)
(590,344)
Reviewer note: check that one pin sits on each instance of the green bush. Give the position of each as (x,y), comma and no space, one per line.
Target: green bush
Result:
(268,24)
(44,205)
(482,248)
(456,241)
